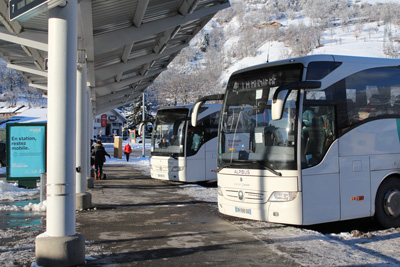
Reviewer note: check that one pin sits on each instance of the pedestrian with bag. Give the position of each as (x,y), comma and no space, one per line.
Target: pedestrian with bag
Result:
(127,151)
(99,154)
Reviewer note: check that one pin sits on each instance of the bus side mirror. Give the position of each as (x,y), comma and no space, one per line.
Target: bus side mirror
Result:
(282,92)
(195,113)
(200,102)
(278,104)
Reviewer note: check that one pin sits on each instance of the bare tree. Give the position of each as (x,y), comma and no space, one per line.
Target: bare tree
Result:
(12,83)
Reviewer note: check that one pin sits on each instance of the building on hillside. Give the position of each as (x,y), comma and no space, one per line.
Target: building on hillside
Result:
(109,123)
(268,24)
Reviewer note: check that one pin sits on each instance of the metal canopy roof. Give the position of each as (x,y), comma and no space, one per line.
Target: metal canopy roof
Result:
(127,43)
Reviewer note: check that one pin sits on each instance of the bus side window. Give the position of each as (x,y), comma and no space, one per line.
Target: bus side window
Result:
(318,136)
(352,112)
(396,105)
(372,96)
(197,138)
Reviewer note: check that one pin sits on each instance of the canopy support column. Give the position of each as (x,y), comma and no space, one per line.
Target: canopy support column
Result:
(60,245)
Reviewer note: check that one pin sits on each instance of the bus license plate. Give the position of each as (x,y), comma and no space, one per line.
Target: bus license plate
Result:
(243,210)
(161,175)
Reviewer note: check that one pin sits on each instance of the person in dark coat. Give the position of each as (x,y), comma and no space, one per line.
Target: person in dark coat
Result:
(99,154)
(91,152)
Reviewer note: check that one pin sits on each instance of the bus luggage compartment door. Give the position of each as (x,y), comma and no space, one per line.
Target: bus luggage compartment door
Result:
(354,187)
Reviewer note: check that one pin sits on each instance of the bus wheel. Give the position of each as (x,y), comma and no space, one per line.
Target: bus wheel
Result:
(387,203)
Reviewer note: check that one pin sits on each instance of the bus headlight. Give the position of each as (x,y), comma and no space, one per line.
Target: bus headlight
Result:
(282,196)
(220,191)
(177,169)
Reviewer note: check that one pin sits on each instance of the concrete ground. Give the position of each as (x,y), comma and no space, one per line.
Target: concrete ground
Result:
(145,222)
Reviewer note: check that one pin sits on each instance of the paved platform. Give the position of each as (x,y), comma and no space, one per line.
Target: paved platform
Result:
(141,221)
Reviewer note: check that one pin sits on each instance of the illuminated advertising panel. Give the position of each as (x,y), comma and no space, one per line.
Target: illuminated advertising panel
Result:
(26,151)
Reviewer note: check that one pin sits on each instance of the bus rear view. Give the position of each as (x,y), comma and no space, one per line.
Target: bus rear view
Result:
(312,140)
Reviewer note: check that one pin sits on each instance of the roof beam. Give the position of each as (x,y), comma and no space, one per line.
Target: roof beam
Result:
(26,69)
(38,60)
(162,42)
(188,6)
(125,54)
(38,86)
(109,41)
(140,11)
(106,89)
(117,103)
(127,51)
(121,95)
(31,35)
(23,41)
(29,45)
(86,29)
(112,70)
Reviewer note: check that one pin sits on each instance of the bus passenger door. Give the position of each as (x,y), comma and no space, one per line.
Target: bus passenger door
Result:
(354,187)
(320,186)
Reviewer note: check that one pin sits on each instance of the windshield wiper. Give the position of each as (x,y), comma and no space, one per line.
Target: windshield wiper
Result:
(228,164)
(259,162)
(223,165)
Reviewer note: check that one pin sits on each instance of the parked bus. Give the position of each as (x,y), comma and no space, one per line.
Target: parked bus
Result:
(180,152)
(311,140)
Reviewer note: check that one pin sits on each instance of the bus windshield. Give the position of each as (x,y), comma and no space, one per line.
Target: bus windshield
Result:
(166,142)
(249,138)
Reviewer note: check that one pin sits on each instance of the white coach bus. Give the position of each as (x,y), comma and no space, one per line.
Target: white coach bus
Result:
(180,152)
(311,140)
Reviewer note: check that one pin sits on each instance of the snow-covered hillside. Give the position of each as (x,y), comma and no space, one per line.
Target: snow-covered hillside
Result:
(252,32)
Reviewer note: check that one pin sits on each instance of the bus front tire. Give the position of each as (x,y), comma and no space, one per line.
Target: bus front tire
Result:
(387,203)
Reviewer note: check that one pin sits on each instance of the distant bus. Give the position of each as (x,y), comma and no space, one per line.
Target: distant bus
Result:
(311,140)
(180,152)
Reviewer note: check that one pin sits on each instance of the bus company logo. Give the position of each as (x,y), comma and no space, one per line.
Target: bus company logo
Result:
(240,195)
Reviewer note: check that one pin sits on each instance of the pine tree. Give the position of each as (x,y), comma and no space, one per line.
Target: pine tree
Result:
(134,112)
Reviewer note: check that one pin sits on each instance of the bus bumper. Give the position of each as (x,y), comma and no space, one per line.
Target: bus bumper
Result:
(289,212)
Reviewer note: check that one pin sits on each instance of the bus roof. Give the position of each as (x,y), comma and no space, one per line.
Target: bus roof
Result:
(211,108)
(325,57)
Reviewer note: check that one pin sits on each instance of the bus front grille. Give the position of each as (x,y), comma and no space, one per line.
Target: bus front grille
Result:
(244,195)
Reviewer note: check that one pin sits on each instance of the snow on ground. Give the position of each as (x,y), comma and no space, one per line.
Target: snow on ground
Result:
(312,248)
(305,246)
(141,163)
(11,191)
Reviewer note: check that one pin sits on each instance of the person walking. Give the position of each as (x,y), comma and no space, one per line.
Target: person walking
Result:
(127,151)
(99,154)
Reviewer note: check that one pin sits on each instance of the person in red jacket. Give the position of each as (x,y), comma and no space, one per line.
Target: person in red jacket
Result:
(127,151)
